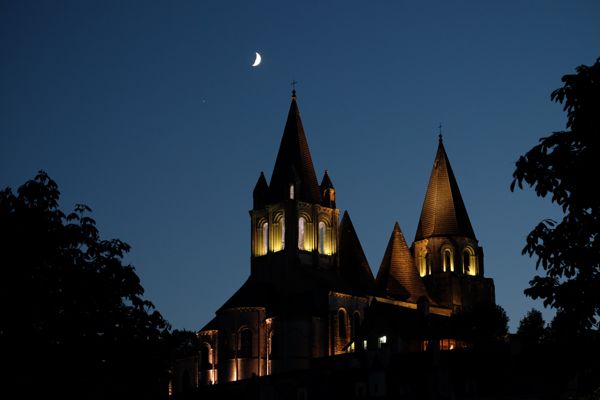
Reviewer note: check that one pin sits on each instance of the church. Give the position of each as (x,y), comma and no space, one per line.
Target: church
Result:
(311,295)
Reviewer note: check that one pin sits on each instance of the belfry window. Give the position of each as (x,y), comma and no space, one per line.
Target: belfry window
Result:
(292,192)
(469,262)
(428,264)
(447,260)
(322,229)
(282,222)
(423,263)
(301,233)
(264,239)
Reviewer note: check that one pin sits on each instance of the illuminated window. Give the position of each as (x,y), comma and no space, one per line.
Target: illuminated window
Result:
(282,222)
(381,341)
(364,344)
(469,261)
(322,237)
(428,263)
(447,260)
(301,233)
(342,323)
(423,263)
(292,192)
(264,239)
(245,343)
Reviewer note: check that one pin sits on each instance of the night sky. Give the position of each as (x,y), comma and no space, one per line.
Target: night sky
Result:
(151,114)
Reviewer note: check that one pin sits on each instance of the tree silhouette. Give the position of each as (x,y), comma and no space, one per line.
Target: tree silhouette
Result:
(74,323)
(481,323)
(532,327)
(564,165)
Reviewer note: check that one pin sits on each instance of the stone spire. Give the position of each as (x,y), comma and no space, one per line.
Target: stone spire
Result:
(294,165)
(444,212)
(398,275)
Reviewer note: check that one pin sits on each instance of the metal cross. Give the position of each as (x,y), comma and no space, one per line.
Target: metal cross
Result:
(294,87)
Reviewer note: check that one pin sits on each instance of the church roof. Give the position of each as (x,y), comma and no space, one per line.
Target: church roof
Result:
(294,163)
(398,275)
(261,192)
(354,267)
(444,212)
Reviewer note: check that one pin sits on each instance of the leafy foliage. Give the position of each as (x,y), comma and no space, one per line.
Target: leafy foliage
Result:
(564,166)
(532,327)
(74,319)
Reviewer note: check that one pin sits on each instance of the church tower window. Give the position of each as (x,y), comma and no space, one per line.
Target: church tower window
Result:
(447,260)
(469,261)
(322,230)
(291,192)
(278,232)
(301,233)
(264,239)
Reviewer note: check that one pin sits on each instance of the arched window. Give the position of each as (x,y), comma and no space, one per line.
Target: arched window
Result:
(264,239)
(447,260)
(322,229)
(205,356)
(422,263)
(342,323)
(469,261)
(282,222)
(355,324)
(301,233)
(277,233)
(245,343)
(428,263)
(292,191)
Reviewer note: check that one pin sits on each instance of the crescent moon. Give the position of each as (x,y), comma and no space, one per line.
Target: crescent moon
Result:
(257,60)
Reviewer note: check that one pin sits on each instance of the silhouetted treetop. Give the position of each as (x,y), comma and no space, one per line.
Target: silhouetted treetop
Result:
(69,303)
(564,165)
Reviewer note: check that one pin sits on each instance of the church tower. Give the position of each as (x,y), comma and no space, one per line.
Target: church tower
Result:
(447,253)
(294,222)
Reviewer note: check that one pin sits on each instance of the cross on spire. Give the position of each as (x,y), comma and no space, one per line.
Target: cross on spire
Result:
(440,131)
(294,87)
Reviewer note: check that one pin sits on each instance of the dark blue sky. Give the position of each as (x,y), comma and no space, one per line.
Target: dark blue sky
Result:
(150,113)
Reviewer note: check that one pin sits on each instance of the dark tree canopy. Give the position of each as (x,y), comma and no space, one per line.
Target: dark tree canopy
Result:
(483,322)
(564,166)
(74,322)
(532,327)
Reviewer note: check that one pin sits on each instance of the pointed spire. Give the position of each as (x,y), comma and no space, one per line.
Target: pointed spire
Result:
(327,191)
(444,212)
(260,194)
(294,165)
(398,275)
(354,267)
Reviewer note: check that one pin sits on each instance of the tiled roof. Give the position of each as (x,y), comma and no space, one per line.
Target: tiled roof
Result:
(294,163)
(444,212)
(398,275)
(354,267)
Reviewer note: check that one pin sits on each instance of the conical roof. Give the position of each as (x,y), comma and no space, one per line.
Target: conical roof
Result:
(444,212)
(260,194)
(294,164)
(398,275)
(354,267)
(326,182)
